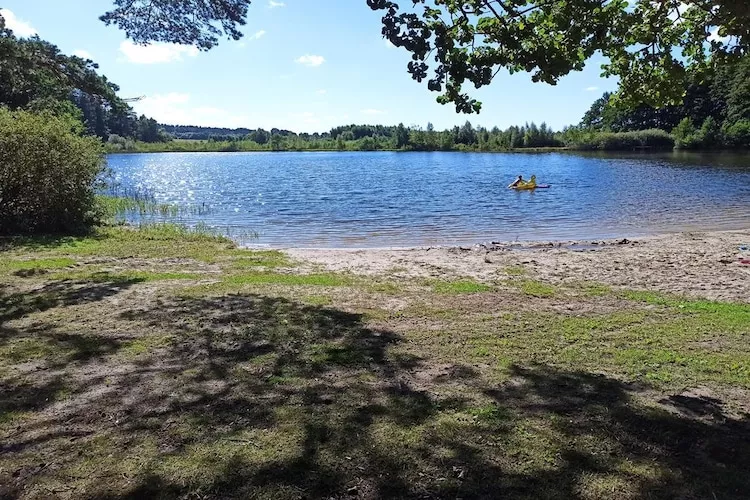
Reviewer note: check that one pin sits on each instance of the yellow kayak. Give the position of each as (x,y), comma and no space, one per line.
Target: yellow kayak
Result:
(529,187)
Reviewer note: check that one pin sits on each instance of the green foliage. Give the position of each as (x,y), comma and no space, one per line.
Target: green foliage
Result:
(455,42)
(346,138)
(35,74)
(718,99)
(737,134)
(710,133)
(48,173)
(187,22)
(685,135)
(623,141)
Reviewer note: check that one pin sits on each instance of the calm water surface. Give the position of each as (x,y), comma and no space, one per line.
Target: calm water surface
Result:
(404,199)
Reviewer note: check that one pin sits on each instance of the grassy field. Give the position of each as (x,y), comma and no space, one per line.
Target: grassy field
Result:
(166,363)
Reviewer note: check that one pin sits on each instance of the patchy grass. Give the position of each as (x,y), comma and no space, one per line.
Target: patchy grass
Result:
(120,385)
(534,288)
(459,287)
(141,276)
(148,344)
(596,289)
(317,300)
(260,258)
(385,287)
(36,264)
(269,278)
(160,241)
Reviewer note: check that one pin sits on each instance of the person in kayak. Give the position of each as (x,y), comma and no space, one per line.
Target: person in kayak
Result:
(517,182)
(532,182)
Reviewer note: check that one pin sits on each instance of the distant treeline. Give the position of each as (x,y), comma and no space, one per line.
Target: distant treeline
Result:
(350,138)
(715,113)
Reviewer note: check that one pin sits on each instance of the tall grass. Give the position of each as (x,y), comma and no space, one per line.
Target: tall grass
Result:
(139,208)
(119,203)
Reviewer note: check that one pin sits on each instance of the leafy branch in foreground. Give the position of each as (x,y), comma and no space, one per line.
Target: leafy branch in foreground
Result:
(652,46)
(187,22)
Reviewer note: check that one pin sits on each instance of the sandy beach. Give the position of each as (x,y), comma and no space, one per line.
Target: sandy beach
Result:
(697,264)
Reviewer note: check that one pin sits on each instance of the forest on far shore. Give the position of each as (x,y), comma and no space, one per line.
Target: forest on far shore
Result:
(715,114)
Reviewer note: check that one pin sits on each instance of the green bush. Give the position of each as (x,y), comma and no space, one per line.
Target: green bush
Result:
(625,141)
(737,134)
(48,173)
(685,135)
(710,133)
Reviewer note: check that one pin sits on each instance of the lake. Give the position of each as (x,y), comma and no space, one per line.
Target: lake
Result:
(389,199)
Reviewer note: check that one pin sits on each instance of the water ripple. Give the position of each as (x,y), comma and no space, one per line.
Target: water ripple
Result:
(402,199)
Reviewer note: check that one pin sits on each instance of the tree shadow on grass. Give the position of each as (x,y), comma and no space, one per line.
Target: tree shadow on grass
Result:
(60,294)
(45,242)
(254,396)
(693,458)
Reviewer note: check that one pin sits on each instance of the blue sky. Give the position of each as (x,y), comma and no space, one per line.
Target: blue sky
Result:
(303,65)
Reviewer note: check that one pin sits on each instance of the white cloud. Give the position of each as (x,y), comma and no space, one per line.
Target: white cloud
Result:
(321,92)
(20,28)
(591,89)
(272,4)
(310,60)
(174,109)
(372,111)
(257,35)
(82,54)
(156,53)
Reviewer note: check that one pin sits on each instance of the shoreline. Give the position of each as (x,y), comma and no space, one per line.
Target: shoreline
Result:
(515,150)
(519,245)
(705,264)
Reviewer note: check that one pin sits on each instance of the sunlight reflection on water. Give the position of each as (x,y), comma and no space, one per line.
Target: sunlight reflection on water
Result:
(406,199)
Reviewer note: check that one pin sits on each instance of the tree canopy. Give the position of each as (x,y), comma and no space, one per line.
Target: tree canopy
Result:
(36,76)
(187,22)
(653,46)
(34,72)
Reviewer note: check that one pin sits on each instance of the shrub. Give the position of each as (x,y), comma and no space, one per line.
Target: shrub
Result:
(685,135)
(711,133)
(625,141)
(738,133)
(48,173)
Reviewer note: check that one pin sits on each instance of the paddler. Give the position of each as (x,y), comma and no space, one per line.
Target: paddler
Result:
(516,183)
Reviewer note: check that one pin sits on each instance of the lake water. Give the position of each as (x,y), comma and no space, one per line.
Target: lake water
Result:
(403,199)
